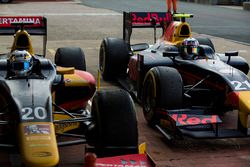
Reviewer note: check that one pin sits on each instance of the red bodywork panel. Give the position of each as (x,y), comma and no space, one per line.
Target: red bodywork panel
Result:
(133,160)
(132,65)
(169,32)
(77,91)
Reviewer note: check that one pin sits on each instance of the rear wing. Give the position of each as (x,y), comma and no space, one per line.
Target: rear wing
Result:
(34,25)
(144,20)
(39,26)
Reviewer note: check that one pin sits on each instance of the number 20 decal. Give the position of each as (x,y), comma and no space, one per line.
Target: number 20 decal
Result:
(29,113)
(241,85)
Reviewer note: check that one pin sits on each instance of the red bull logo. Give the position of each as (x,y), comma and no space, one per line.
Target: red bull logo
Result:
(144,18)
(186,119)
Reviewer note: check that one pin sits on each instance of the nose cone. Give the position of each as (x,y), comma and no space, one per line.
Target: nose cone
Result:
(38,144)
(244,107)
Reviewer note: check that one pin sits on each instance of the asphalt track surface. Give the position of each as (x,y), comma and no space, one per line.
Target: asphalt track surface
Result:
(217,21)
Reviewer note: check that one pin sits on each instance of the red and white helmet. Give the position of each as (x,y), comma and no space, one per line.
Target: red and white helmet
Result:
(189,47)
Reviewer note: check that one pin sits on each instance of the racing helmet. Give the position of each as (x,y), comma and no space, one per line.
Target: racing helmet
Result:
(21,62)
(189,47)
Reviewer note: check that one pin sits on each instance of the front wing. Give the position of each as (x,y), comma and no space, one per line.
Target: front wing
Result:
(194,123)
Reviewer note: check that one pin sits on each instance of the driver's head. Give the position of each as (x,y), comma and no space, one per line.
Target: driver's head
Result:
(189,47)
(20,62)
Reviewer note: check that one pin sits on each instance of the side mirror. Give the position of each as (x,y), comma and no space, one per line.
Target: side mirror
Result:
(231,53)
(170,54)
(139,47)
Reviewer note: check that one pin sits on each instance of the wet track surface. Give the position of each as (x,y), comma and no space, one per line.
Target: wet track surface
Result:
(72,24)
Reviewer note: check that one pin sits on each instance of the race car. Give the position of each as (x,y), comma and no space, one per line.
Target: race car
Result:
(41,101)
(183,85)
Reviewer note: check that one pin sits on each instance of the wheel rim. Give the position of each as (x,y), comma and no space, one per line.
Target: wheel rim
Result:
(149,101)
(102,58)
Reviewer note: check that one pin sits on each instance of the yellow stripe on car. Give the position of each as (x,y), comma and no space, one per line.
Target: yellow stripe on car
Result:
(244,107)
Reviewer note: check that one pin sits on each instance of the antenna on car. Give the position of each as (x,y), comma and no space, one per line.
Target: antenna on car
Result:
(182,16)
(98,80)
(231,53)
(153,22)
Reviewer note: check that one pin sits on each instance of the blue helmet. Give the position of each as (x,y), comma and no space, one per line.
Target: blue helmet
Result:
(21,62)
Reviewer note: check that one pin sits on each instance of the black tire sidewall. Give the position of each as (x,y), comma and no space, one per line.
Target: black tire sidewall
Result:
(115,119)
(168,85)
(169,88)
(113,58)
(71,57)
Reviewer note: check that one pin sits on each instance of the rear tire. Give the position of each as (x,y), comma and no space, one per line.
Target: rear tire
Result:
(70,57)
(116,125)
(162,89)
(113,58)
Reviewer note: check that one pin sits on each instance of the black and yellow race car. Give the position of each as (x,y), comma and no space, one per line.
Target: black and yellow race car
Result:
(181,96)
(41,101)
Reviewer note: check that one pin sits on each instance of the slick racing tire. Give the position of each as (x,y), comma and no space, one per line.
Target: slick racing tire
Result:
(113,58)
(70,57)
(162,89)
(206,41)
(116,130)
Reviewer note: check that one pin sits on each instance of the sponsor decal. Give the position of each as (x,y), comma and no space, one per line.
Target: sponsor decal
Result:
(240,85)
(186,119)
(42,154)
(67,80)
(39,145)
(60,128)
(5,21)
(133,160)
(144,18)
(33,138)
(36,129)
(36,113)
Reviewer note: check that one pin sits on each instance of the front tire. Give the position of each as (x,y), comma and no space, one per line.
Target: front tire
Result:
(116,130)
(162,89)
